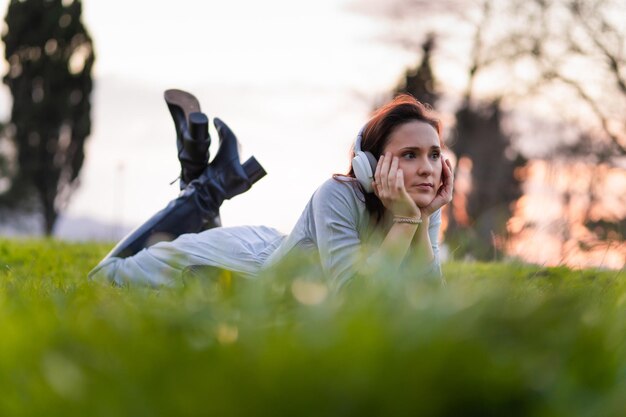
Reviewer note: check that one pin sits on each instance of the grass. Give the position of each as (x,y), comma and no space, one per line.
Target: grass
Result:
(500,339)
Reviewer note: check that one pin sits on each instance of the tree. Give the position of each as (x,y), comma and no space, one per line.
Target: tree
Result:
(595,35)
(50,56)
(420,81)
(486,154)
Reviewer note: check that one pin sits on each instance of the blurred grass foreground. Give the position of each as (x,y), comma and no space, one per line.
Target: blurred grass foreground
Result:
(499,340)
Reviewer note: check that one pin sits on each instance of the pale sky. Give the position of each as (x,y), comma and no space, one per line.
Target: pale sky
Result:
(294,80)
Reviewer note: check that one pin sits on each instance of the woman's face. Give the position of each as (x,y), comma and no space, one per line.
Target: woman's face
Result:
(416,144)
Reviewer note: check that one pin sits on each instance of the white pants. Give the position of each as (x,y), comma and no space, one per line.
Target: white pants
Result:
(242,249)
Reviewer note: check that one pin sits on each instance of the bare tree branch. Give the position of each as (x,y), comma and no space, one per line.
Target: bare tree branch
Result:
(592,103)
(612,60)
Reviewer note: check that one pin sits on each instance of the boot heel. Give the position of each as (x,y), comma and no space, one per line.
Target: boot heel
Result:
(253,170)
(199,126)
(195,155)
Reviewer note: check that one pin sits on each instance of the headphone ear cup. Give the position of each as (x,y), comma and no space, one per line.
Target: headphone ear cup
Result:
(362,166)
(372,161)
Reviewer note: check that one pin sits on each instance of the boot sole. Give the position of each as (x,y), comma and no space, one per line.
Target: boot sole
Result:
(186,101)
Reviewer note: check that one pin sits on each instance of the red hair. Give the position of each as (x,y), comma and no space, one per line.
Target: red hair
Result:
(402,109)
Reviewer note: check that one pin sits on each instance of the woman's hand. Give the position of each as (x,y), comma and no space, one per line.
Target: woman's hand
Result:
(389,187)
(444,194)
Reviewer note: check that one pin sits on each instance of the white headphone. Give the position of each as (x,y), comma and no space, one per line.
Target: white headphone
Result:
(363,164)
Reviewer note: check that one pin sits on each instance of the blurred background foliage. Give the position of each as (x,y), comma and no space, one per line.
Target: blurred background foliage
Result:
(50,56)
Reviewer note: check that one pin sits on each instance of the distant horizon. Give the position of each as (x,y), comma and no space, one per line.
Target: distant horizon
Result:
(67,228)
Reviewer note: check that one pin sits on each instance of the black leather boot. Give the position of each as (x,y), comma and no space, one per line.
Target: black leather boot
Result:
(198,205)
(192,134)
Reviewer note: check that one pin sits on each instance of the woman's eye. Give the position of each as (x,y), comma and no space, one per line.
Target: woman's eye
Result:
(408,155)
(435,155)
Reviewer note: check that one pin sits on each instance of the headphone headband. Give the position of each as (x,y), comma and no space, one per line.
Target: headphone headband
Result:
(363,164)
(359,137)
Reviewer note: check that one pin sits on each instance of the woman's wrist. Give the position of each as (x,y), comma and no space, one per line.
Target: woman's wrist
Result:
(427,212)
(409,213)
(416,220)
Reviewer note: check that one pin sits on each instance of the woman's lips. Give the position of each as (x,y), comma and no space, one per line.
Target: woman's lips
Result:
(424,186)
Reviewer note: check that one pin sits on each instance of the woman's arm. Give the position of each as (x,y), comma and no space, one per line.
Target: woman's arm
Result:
(389,188)
(404,238)
(397,242)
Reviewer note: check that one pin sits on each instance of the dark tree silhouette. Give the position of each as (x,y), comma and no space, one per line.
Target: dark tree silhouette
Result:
(4,170)
(479,227)
(420,81)
(50,56)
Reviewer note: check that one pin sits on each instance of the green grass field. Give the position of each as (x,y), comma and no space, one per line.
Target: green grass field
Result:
(499,340)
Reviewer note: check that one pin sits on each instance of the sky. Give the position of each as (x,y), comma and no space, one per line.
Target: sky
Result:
(294,80)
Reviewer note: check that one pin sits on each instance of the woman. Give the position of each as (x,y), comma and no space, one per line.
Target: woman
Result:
(401,216)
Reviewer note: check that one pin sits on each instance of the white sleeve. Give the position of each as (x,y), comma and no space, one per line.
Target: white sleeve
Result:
(335,223)
(433,233)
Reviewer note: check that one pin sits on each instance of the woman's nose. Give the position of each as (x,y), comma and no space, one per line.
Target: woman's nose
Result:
(425,167)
